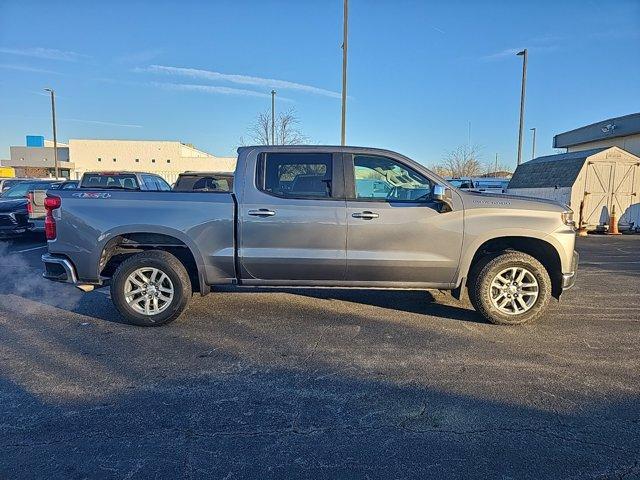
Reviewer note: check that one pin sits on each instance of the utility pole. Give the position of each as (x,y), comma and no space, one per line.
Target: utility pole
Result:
(533,148)
(55,140)
(273,117)
(495,170)
(523,54)
(343,136)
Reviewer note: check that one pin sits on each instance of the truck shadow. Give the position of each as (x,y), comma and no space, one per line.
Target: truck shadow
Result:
(411,301)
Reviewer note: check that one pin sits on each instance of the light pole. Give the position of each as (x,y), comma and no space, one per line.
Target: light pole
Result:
(55,140)
(343,136)
(523,53)
(273,117)
(533,148)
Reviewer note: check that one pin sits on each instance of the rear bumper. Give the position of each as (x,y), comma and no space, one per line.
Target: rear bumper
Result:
(569,279)
(59,269)
(36,225)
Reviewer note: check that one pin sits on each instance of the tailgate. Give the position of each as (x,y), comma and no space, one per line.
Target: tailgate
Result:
(36,200)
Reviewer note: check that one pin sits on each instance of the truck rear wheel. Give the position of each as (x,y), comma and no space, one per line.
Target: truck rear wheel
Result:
(511,288)
(151,288)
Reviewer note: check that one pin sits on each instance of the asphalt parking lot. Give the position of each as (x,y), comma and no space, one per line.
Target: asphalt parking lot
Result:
(321,384)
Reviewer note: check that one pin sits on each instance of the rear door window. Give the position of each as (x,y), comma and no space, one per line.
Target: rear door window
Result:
(296,175)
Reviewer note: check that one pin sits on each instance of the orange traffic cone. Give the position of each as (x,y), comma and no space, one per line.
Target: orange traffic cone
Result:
(613,222)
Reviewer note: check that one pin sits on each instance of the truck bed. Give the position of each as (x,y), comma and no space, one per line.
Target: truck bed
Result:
(204,222)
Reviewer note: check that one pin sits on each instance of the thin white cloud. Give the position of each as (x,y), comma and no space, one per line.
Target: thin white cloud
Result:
(269,83)
(507,52)
(99,122)
(141,56)
(541,44)
(46,53)
(214,89)
(24,68)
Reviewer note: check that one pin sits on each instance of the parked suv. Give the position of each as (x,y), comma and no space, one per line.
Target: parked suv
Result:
(124,181)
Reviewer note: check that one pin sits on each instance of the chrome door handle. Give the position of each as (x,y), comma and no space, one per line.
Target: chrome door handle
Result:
(365,215)
(262,212)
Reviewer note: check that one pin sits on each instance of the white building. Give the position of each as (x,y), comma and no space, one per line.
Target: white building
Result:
(166,158)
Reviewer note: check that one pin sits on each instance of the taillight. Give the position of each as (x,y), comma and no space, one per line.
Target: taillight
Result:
(30,203)
(50,204)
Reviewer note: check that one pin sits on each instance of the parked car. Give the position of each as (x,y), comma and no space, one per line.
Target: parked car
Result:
(297,217)
(124,181)
(6,183)
(480,184)
(204,182)
(14,213)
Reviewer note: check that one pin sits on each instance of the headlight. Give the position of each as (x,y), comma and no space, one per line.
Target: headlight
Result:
(567,218)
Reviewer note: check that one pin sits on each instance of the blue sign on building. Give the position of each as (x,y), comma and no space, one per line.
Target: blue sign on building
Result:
(35,141)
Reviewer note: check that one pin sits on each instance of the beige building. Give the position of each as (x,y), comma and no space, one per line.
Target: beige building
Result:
(166,158)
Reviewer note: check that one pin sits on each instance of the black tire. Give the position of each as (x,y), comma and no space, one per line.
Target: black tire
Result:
(166,263)
(483,275)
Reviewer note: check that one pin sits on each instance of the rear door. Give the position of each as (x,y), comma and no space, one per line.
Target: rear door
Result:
(397,235)
(293,219)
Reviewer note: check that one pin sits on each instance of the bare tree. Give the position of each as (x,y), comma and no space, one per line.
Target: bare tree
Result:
(461,162)
(286,129)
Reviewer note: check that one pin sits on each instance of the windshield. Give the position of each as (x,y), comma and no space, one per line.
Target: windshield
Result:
(21,189)
(125,181)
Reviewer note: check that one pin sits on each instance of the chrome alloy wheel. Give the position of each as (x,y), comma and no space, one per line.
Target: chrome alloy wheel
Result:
(514,290)
(148,291)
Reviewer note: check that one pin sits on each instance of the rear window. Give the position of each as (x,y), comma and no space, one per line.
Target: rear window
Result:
(125,181)
(204,183)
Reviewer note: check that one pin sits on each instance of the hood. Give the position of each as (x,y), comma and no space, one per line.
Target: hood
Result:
(13,204)
(488,200)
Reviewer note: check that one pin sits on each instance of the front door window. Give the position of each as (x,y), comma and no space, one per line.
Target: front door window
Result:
(383,179)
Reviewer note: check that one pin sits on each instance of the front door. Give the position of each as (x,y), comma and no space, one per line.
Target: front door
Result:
(397,235)
(293,224)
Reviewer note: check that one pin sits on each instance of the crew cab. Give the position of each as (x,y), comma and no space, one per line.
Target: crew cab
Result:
(310,216)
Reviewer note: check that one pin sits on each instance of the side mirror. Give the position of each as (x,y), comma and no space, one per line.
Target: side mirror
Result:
(442,195)
(439,193)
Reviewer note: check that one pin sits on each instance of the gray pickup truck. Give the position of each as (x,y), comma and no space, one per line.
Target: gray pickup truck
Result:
(313,217)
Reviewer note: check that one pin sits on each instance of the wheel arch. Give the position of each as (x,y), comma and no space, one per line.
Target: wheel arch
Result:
(121,244)
(540,248)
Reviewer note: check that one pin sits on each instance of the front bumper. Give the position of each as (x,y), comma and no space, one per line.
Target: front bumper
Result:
(12,224)
(569,279)
(59,269)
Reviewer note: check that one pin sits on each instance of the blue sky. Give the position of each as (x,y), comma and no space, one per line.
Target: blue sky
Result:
(419,72)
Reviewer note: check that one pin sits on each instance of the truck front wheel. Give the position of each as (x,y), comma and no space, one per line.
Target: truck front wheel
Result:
(511,288)
(151,288)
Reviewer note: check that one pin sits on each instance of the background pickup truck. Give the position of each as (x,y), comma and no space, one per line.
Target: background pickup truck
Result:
(314,217)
